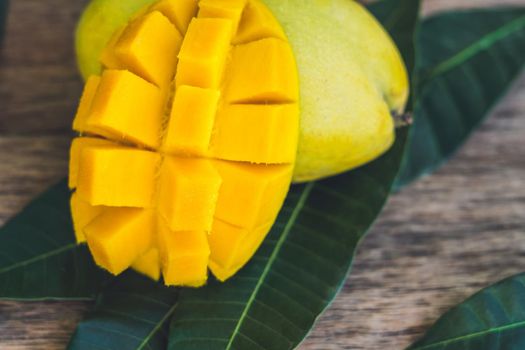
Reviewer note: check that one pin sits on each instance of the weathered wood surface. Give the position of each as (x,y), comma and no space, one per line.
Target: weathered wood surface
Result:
(436,243)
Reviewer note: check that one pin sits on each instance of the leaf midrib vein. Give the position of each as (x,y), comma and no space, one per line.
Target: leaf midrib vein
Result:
(470,51)
(38,257)
(473,335)
(145,342)
(286,231)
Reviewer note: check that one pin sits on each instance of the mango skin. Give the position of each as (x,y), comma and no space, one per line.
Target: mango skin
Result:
(352,77)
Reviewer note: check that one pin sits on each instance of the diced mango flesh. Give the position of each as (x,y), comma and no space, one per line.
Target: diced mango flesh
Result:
(258,23)
(185,256)
(192,130)
(119,236)
(262,134)
(77,146)
(229,9)
(83,213)
(251,195)
(188,194)
(231,247)
(148,47)
(191,121)
(202,57)
(84,108)
(262,71)
(117,176)
(148,264)
(179,12)
(125,107)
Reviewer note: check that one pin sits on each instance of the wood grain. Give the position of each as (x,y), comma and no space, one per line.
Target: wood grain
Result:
(436,243)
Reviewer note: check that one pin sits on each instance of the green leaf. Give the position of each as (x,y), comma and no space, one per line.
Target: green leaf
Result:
(39,258)
(401,19)
(132,313)
(274,301)
(494,318)
(466,61)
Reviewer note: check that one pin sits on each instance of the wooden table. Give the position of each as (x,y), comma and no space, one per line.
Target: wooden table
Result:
(436,243)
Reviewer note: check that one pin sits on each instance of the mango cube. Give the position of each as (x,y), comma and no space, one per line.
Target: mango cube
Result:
(179,12)
(241,250)
(262,71)
(119,236)
(229,9)
(251,195)
(191,121)
(149,47)
(82,214)
(202,58)
(107,57)
(77,146)
(231,246)
(258,23)
(189,189)
(148,264)
(84,108)
(184,257)
(128,108)
(262,134)
(117,176)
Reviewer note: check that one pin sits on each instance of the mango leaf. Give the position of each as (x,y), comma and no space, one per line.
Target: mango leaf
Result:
(132,313)
(465,63)
(494,318)
(39,258)
(401,19)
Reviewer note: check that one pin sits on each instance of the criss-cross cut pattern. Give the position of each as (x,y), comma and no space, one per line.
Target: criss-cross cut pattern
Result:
(188,139)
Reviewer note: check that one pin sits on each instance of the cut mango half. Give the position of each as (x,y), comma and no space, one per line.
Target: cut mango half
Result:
(187,142)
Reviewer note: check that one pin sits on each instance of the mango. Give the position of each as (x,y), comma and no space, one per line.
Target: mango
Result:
(187,145)
(352,78)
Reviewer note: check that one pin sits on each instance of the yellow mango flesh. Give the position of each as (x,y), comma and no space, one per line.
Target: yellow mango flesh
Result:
(262,134)
(126,108)
(188,142)
(185,256)
(117,176)
(147,47)
(262,71)
(232,246)
(229,9)
(191,135)
(258,23)
(179,12)
(251,195)
(148,264)
(77,147)
(203,54)
(83,213)
(189,192)
(118,236)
